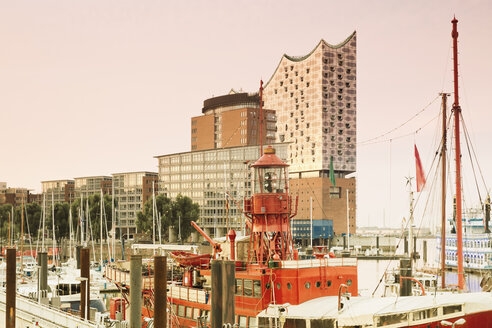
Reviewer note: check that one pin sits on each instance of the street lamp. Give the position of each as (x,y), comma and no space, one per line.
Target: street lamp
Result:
(458,322)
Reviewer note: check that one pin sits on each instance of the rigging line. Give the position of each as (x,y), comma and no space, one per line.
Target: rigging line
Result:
(403,232)
(404,123)
(433,183)
(473,168)
(474,153)
(401,136)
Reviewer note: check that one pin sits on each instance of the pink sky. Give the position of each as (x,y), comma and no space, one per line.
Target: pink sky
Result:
(98,87)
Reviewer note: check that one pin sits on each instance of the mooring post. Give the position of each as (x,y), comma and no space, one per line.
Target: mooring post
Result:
(160,287)
(228,288)
(42,275)
(135,291)
(11,288)
(85,286)
(216,319)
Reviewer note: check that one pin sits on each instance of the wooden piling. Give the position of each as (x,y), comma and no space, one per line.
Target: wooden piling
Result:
(11,288)
(160,287)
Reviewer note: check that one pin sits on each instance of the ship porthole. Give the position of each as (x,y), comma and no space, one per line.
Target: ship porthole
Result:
(318,284)
(278,285)
(328,283)
(307,285)
(267,285)
(289,286)
(349,282)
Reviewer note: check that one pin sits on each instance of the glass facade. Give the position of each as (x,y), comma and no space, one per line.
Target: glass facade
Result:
(128,193)
(207,176)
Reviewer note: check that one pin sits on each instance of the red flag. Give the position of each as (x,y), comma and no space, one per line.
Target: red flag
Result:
(420,171)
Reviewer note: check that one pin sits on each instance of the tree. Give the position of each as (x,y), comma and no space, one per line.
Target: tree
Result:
(170,211)
(94,213)
(144,218)
(184,211)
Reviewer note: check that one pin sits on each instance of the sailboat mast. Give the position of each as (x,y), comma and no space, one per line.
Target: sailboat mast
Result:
(443,191)
(113,220)
(457,111)
(261,118)
(101,229)
(70,234)
(22,233)
(153,215)
(44,220)
(53,221)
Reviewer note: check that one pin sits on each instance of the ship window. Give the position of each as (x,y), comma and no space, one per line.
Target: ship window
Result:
(175,306)
(349,282)
(307,285)
(328,283)
(257,288)
(391,319)
(181,310)
(239,287)
(278,285)
(318,284)
(189,312)
(451,309)
(289,286)
(242,321)
(248,287)
(425,314)
(267,285)
(196,313)
(253,322)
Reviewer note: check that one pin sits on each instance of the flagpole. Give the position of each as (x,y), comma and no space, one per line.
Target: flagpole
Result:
(311,209)
(348,224)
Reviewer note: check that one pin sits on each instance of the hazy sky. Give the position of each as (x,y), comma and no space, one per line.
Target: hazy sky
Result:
(98,87)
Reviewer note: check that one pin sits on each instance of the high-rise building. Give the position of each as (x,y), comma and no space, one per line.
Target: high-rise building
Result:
(314,98)
(207,177)
(231,120)
(131,190)
(86,186)
(60,191)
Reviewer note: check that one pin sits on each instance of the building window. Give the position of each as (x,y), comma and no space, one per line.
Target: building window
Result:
(335,192)
(307,70)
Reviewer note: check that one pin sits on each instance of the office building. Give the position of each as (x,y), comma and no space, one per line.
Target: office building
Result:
(131,190)
(59,191)
(87,186)
(207,176)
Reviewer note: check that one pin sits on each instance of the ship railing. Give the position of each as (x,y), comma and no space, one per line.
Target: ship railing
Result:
(315,263)
(117,275)
(187,294)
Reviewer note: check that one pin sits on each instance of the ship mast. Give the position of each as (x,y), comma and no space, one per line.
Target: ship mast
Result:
(457,111)
(261,118)
(443,191)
